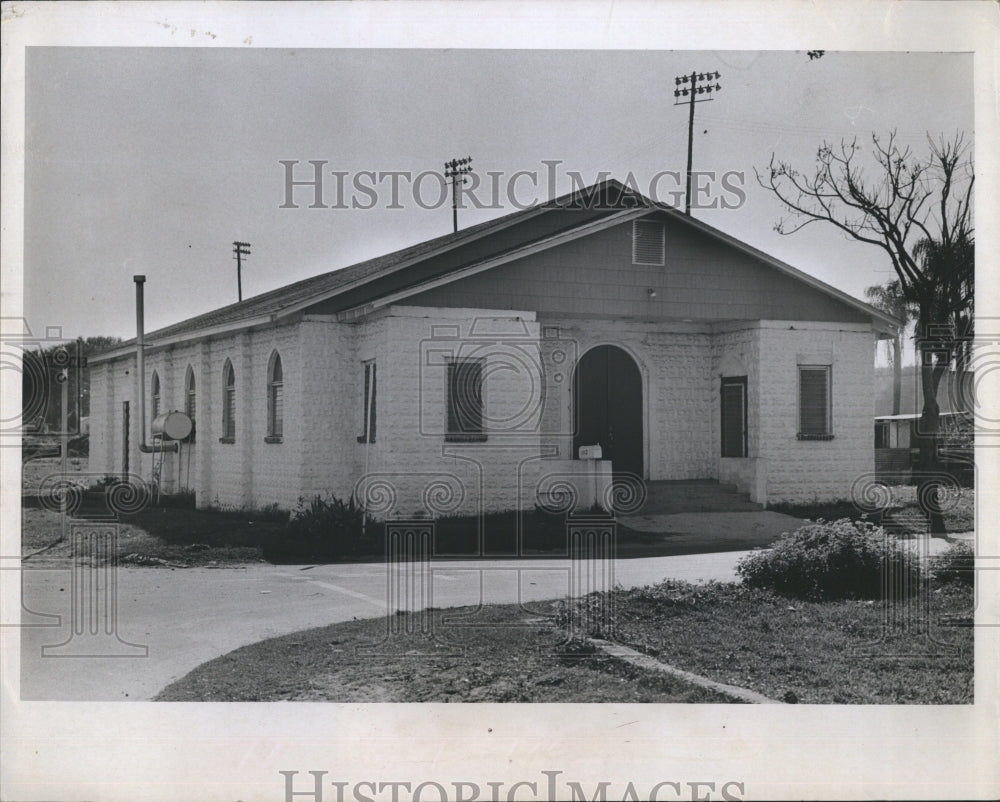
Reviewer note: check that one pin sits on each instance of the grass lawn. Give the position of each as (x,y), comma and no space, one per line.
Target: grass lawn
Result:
(788,650)
(809,652)
(959,516)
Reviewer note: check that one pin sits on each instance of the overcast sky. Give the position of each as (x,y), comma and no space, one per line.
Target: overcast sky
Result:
(153,160)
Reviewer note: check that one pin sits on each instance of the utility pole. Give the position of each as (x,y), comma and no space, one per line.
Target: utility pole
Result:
(240,249)
(688,87)
(456,170)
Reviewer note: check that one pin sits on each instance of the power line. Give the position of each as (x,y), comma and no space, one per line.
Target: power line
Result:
(688,87)
(240,249)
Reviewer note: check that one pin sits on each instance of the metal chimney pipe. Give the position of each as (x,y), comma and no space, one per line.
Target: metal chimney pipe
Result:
(140,356)
(140,368)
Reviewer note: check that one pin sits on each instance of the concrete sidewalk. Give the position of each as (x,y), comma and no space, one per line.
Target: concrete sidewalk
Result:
(178,619)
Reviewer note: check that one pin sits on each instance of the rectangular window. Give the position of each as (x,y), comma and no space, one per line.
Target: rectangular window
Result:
(814,403)
(368,410)
(649,242)
(734,416)
(465,401)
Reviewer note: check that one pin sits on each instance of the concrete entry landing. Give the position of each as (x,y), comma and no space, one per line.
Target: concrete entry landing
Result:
(695,495)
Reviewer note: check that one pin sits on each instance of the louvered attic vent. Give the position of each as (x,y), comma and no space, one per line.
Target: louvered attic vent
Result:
(648,242)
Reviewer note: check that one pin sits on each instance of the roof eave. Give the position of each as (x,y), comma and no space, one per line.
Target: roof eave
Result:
(197,334)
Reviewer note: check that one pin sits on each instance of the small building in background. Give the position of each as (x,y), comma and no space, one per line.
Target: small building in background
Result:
(897,445)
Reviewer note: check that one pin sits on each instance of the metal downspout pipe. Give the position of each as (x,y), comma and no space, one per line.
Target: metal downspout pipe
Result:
(140,370)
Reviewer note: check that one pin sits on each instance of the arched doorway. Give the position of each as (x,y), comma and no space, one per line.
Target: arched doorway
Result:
(607,394)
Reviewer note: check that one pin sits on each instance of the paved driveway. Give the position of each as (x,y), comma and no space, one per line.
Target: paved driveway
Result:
(170,621)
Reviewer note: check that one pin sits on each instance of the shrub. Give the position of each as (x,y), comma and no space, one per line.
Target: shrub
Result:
(540,529)
(955,565)
(272,513)
(842,559)
(544,529)
(323,530)
(678,594)
(325,517)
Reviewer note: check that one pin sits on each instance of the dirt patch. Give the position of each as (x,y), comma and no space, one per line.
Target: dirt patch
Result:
(492,654)
(47,539)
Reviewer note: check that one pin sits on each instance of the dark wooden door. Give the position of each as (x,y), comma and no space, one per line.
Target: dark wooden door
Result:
(608,407)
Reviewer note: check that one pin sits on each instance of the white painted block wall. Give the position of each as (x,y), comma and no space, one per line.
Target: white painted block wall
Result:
(802,471)
(528,422)
(248,473)
(416,463)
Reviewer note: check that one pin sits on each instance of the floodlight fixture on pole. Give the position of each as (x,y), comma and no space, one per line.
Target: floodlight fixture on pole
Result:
(455,171)
(688,88)
(240,250)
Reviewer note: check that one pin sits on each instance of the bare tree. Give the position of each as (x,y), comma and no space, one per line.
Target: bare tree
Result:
(919,212)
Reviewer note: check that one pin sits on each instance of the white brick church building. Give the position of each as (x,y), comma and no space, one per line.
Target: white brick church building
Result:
(465,373)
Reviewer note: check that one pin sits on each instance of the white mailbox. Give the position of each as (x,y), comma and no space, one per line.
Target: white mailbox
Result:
(590,452)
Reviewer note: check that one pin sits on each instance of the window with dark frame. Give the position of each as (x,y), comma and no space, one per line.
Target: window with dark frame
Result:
(275,399)
(228,403)
(465,401)
(814,403)
(368,409)
(190,399)
(733,392)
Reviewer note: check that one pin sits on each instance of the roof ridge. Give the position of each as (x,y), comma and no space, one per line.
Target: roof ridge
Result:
(287,298)
(588,195)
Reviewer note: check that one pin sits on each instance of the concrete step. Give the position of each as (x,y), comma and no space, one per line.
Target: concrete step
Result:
(695,495)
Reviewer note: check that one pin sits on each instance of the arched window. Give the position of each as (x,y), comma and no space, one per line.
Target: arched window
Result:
(228,403)
(189,398)
(154,396)
(275,398)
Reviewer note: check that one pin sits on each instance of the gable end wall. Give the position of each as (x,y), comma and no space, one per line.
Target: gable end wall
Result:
(702,279)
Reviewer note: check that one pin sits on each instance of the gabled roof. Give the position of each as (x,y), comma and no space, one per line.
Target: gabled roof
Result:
(608,197)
